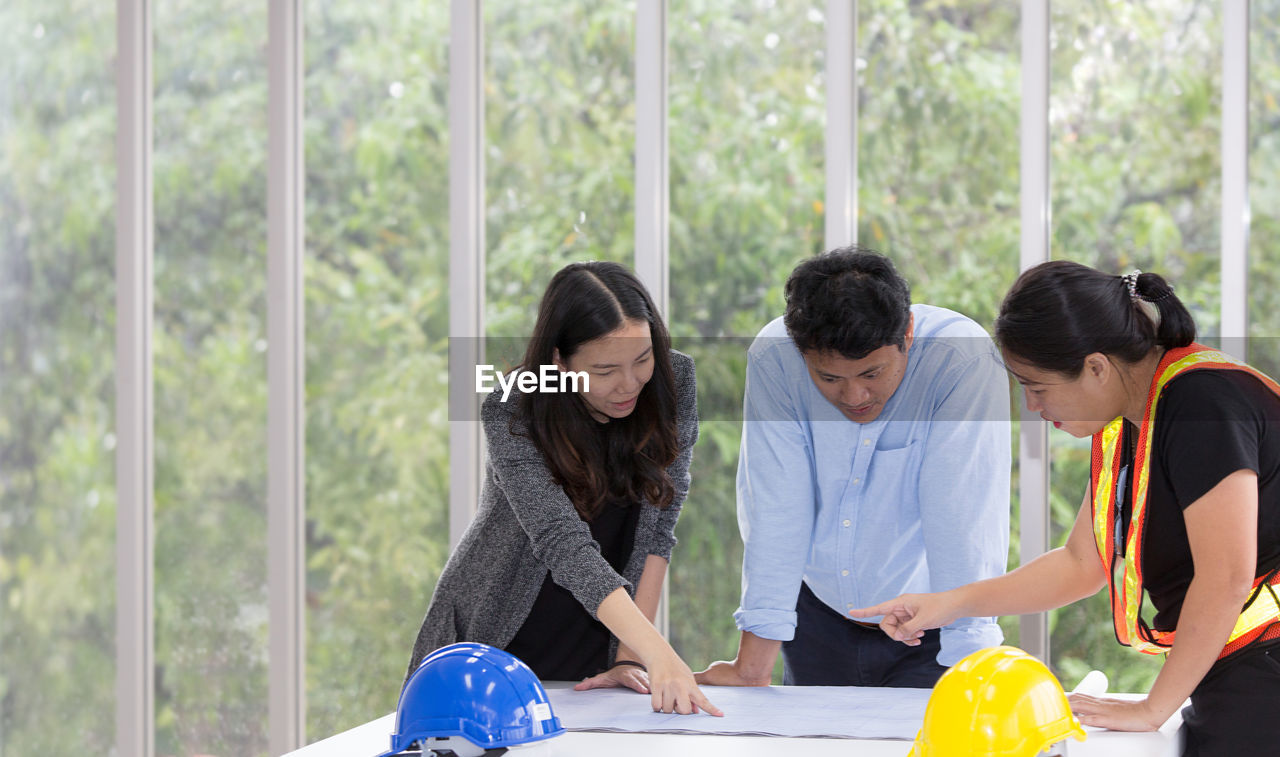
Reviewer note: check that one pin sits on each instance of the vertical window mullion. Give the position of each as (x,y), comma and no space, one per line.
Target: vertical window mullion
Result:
(1235,177)
(841,201)
(652,178)
(651,166)
(466,257)
(286,437)
(135,492)
(1033,448)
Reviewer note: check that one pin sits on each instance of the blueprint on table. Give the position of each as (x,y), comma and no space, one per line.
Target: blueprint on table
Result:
(848,712)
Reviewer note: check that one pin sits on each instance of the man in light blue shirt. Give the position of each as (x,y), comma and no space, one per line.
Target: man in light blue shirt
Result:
(875,461)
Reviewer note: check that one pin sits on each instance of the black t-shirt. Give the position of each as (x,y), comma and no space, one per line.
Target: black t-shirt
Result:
(559,639)
(1209,424)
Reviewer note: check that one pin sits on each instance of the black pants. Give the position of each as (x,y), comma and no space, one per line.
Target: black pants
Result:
(832,650)
(1236,708)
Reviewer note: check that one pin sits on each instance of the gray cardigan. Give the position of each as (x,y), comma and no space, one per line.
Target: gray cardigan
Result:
(526,525)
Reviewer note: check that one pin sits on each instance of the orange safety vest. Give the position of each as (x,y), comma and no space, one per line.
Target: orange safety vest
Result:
(1260,614)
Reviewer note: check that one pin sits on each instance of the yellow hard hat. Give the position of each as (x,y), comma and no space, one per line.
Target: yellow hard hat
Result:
(996,702)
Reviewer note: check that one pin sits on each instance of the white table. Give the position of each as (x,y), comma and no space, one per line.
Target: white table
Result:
(373,738)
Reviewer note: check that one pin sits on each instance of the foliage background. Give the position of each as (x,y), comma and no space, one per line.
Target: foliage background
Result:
(1134,138)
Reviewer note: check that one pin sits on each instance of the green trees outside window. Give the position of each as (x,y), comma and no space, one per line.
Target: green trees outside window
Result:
(209,358)
(57,375)
(377,327)
(1134,139)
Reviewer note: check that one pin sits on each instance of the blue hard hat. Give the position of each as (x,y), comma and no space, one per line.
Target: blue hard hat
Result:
(474,692)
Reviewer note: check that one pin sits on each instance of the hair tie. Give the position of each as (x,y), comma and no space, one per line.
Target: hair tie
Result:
(1131,283)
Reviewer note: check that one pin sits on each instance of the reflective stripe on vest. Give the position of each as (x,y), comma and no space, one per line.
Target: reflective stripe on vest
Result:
(1124,572)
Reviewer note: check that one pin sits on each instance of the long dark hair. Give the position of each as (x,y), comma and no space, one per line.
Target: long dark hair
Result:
(1059,312)
(625,458)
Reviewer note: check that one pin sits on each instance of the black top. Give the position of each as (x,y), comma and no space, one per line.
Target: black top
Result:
(560,640)
(1209,424)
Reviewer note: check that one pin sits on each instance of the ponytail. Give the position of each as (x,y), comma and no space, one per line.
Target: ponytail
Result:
(1059,312)
(1174,326)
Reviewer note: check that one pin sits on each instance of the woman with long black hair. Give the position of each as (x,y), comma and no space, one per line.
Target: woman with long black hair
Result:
(564,563)
(1183,504)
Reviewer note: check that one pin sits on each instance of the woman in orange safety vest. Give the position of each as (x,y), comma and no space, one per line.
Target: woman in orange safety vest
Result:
(1183,504)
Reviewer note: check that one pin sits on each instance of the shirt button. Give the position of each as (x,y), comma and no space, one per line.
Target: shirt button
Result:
(846,523)
(866,442)
(844,572)
(849,606)
(857,481)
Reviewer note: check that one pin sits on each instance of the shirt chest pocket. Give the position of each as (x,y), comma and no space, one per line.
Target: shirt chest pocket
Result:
(893,479)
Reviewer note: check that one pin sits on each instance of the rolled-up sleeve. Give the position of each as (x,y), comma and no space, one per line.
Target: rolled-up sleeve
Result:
(775,499)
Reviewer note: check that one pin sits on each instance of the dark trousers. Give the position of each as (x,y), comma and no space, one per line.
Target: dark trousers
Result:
(1234,709)
(832,650)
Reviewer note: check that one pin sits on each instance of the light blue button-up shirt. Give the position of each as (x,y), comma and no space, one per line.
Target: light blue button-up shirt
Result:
(916,500)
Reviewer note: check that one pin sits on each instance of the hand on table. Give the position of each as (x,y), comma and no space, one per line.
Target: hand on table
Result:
(1115,714)
(726,673)
(619,676)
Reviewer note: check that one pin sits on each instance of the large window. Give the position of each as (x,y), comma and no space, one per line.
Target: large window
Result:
(377,462)
(1134,141)
(57,386)
(210,160)
(1135,121)
(746,126)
